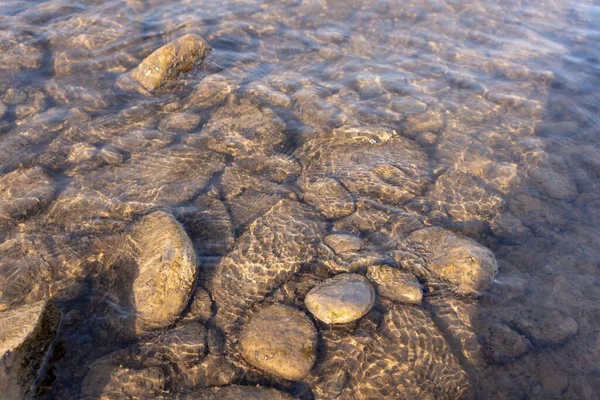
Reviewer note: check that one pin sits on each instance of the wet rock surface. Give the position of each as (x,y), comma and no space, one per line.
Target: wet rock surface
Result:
(166,63)
(25,338)
(465,265)
(172,175)
(234,392)
(166,270)
(341,299)
(281,341)
(395,285)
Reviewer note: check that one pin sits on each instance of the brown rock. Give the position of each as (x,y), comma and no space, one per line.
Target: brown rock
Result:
(546,327)
(341,299)
(329,197)
(25,337)
(395,285)
(502,344)
(166,63)
(280,340)
(107,381)
(467,266)
(167,269)
(234,392)
(341,243)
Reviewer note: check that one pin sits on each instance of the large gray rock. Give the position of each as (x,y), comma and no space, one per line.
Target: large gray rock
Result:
(167,269)
(341,299)
(280,340)
(458,261)
(166,63)
(26,334)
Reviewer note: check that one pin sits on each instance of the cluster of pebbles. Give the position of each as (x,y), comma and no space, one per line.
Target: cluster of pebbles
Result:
(200,220)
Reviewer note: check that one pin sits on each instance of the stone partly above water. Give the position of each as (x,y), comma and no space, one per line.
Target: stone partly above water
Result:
(280,340)
(166,63)
(395,285)
(341,299)
(457,261)
(167,269)
(25,337)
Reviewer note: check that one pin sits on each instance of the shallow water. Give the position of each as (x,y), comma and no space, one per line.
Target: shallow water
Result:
(309,117)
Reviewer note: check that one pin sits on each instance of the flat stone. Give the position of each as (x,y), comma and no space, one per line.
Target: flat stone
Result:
(179,122)
(24,192)
(329,197)
(562,128)
(460,262)
(108,381)
(508,227)
(342,243)
(211,91)
(409,106)
(396,285)
(553,184)
(167,269)
(166,63)
(26,334)
(546,327)
(234,392)
(280,340)
(341,299)
(502,344)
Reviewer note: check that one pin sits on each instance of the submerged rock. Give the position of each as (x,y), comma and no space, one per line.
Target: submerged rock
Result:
(341,243)
(270,252)
(166,63)
(329,197)
(341,299)
(395,285)
(26,334)
(243,129)
(233,392)
(388,169)
(546,327)
(406,358)
(280,340)
(179,122)
(502,344)
(24,192)
(108,381)
(167,269)
(460,262)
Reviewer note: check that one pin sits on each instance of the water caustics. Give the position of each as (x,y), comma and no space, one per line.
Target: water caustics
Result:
(308,199)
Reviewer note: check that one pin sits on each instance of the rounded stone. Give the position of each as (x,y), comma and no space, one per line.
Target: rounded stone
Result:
(396,285)
(280,340)
(342,243)
(167,269)
(341,299)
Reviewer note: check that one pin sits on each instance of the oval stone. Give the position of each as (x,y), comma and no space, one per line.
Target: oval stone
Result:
(167,269)
(341,299)
(280,340)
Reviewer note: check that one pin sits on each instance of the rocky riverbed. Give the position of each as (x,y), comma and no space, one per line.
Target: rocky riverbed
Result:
(309,199)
